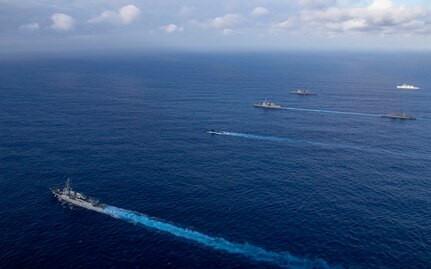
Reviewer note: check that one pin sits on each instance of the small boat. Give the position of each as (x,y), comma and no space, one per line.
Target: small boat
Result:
(302,92)
(214,131)
(407,87)
(400,116)
(267,104)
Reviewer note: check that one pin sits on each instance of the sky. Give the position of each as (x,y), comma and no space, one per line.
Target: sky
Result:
(56,25)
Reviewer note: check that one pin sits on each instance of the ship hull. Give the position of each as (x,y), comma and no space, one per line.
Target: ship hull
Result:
(407,88)
(303,93)
(216,132)
(80,203)
(261,106)
(398,118)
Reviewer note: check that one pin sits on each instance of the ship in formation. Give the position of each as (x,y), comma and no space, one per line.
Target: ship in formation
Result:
(399,116)
(214,131)
(68,195)
(407,87)
(302,92)
(266,104)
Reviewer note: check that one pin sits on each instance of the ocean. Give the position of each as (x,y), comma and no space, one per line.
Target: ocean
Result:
(323,183)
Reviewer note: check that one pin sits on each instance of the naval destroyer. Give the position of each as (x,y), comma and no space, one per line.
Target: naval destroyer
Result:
(66,194)
(400,116)
(214,132)
(407,87)
(302,92)
(267,104)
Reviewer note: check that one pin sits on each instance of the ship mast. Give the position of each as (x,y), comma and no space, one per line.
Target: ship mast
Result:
(67,187)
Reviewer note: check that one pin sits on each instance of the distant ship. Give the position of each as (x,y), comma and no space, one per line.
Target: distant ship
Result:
(401,116)
(407,87)
(267,104)
(214,131)
(302,92)
(76,198)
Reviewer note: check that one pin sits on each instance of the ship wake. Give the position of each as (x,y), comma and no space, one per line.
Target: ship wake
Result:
(253,252)
(414,155)
(330,111)
(255,136)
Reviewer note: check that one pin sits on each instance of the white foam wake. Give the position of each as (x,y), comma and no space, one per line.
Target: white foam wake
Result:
(256,253)
(331,111)
(321,144)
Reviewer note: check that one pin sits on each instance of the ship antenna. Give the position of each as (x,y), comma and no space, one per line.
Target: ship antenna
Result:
(67,187)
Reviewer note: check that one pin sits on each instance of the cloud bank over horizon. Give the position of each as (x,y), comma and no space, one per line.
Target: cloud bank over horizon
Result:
(235,24)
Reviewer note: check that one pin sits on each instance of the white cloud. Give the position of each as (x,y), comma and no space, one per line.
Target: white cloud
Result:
(227,31)
(129,13)
(171,28)
(259,11)
(186,11)
(62,22)
(106,16)
(380,15)
(125,15)
(225,21)
(280,26)
(31,27)
(316,3)
(350,25)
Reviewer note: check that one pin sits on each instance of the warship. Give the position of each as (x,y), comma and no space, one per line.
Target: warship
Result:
(401,116)
(302,92)
(267,104)
(67,195)
(407,87)
(214,131)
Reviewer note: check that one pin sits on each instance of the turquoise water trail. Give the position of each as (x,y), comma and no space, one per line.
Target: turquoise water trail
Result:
(253,252)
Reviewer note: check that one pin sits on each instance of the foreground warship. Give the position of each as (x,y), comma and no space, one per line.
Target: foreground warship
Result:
(401,116)
(70,196)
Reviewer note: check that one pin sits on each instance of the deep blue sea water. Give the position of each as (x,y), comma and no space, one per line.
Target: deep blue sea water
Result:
(351,189)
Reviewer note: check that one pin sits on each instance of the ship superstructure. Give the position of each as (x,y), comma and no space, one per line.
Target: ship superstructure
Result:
(407,87)
(302,92)
(401,116)
(266,104)
(68,195)
(214,131)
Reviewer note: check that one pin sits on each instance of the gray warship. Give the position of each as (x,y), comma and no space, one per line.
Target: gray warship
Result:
(66,194)
(302,92)
(400,116)
(407,87)
(215,132)
(266,104)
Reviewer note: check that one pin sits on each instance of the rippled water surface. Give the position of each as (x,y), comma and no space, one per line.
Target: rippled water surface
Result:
(327,181)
